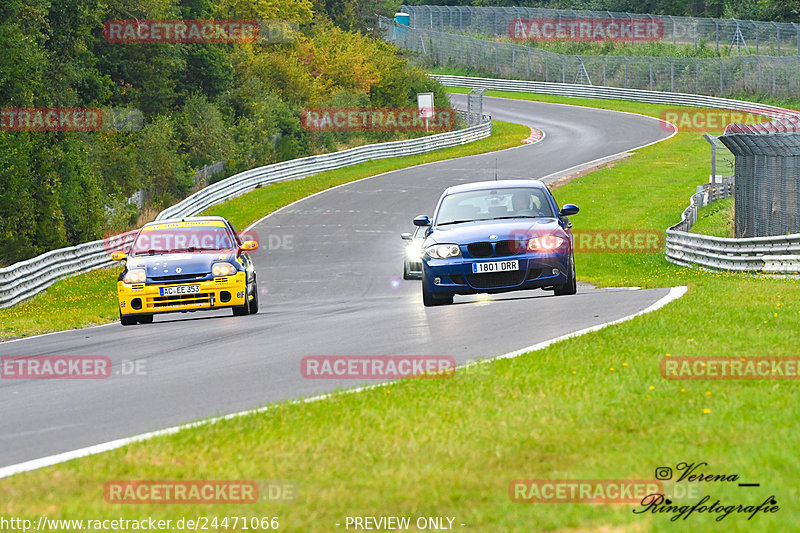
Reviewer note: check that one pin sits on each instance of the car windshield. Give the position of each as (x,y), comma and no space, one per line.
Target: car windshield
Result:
(171,238)
(494,204)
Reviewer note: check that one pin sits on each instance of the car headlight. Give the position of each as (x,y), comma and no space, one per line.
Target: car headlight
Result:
(222,269)
(414,251)
(443,251)
(545,243)
(135,275)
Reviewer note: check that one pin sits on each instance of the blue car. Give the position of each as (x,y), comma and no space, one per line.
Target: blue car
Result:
(497,236)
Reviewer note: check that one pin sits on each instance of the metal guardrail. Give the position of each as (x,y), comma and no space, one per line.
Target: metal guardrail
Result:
(777,76)
(26,278)
(706,194)
(768,255)
(611,93)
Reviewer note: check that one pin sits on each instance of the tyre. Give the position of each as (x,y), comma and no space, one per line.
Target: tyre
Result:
(571,286)
(406,275)
(127,320)
(429,299)
(146,319)
(254,301)
(243,310)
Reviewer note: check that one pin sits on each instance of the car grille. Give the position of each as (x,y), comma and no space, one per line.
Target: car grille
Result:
(181,299)
(178,278)
(480,249)
(496,279)
(497,249)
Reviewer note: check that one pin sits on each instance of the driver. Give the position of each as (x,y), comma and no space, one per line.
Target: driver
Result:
(521,201)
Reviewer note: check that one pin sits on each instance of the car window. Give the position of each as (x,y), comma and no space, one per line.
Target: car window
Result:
(170,238)
(488,204)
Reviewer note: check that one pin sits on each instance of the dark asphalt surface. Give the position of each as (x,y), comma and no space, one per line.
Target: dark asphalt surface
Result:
(329,271)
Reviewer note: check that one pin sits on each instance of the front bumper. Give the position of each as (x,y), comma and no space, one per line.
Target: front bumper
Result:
(217,293)
(456,277)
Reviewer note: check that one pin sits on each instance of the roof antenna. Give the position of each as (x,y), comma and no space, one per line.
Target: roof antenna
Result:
(495,169)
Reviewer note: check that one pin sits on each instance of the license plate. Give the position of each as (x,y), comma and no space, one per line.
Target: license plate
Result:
(179,289)
(496,266)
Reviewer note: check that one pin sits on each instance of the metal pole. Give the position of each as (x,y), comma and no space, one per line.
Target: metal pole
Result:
(626,72)
(696,77)
(671,75)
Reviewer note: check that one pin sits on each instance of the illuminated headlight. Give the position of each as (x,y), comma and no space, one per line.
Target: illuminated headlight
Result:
(135,275)
(545,243)
(443,251)
(222,269)
(414,251)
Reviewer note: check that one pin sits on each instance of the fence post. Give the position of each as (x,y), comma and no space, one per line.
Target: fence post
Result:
(529,64)
(696,76)
(755,24)
(674,30)
(797,34)
(626,72)
(713,144)
(671,75)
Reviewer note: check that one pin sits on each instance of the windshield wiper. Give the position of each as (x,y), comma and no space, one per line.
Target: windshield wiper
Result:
(459,221)
(518,216)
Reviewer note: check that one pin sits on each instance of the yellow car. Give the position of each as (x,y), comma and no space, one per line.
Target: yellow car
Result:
(186,264)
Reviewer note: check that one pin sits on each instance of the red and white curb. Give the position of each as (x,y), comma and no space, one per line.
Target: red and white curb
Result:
(534,137)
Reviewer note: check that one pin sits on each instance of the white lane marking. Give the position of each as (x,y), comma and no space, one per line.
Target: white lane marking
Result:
(599,160)
(544,134)
(673,294)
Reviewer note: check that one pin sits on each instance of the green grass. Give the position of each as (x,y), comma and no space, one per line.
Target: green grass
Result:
(89,299)
(593,407)
(456,70)
(715,219)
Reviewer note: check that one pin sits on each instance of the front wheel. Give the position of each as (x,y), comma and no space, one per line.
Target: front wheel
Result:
(127,320)
(571,286)
(243,310)
(430,299)
(254,301)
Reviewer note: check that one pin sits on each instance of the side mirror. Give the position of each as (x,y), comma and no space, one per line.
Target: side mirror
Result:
(405,236)
(568,209)
(248,246)
(422,220)
(118,256)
